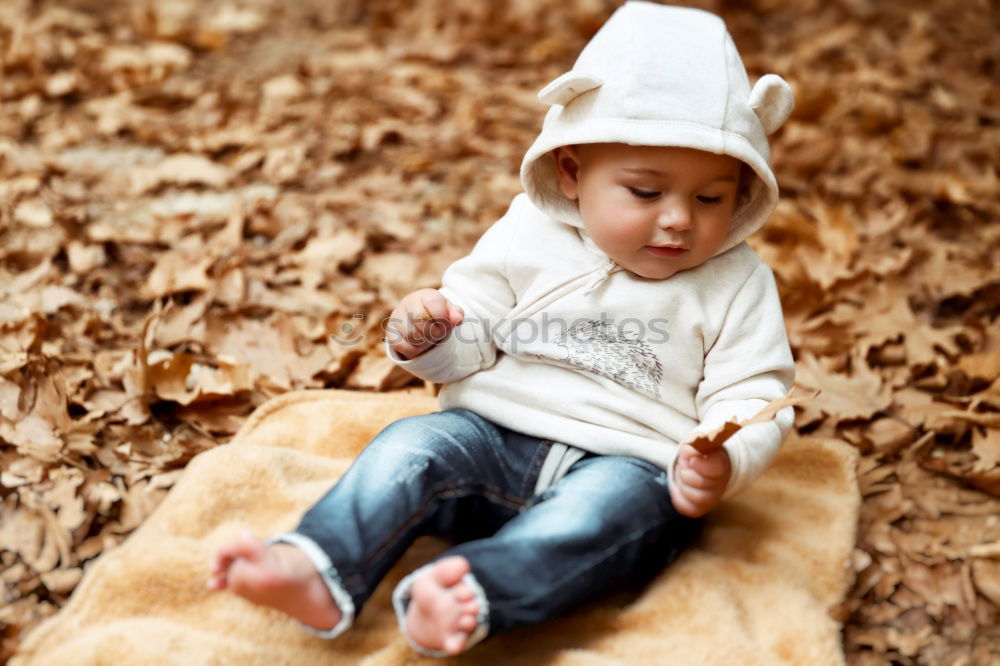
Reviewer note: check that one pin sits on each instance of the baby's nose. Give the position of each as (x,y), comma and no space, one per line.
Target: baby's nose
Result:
(675,216)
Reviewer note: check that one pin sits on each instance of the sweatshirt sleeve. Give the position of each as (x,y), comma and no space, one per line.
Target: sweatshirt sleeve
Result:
(478,284)
(749,365)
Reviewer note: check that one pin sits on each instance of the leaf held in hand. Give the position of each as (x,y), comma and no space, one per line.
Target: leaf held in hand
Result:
(713,440)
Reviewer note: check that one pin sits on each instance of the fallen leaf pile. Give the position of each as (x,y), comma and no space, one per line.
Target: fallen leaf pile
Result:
(206,203)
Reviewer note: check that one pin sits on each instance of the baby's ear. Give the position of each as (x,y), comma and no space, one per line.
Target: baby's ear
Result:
(567,87)
(567,162)
(772,100)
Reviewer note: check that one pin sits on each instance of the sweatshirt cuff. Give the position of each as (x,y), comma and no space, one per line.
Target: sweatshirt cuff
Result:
(436,364)
(438,353)
(754,448)
(449,360)
(737,476)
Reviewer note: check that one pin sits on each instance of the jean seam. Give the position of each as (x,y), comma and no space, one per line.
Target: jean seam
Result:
(535,466)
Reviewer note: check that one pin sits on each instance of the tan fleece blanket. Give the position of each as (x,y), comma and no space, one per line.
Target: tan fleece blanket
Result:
(756,589)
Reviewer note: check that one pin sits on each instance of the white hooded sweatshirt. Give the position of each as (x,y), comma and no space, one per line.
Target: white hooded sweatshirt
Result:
(560,342)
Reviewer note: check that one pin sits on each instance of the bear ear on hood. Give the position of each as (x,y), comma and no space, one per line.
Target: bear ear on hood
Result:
(772,100)
(567,87)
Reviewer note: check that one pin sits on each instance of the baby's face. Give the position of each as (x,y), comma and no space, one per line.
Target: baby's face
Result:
(636,199)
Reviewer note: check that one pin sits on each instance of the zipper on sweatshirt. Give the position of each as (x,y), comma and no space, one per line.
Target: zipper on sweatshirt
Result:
(559,290)
(609,267)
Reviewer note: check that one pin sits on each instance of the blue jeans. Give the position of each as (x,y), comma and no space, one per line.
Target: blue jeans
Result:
(606,525)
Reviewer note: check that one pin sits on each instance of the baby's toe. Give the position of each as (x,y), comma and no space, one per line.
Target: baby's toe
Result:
(463,593)
(220,565)
(455,643)
(467,623)
(248,546)
(215,582)
(449,570)
(223,557)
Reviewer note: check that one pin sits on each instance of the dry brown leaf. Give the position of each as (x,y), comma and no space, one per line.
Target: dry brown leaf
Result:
(714,439)
(986,446)
(986,576)
(845,397)
(887,316)
(184,380)
(182,269)
(889,435)
(182,169)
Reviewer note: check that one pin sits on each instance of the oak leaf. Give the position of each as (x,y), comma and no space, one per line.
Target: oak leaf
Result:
(714,439)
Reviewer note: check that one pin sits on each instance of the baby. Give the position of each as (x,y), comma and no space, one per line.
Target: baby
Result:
(612,314)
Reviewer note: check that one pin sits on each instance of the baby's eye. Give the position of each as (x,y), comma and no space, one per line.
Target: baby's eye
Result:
(709,200)
(643,194)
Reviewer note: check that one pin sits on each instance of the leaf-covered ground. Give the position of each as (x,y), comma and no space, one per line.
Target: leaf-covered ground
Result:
(206,203)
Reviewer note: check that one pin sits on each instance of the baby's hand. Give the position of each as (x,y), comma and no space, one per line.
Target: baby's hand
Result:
(421,320)
(701,480)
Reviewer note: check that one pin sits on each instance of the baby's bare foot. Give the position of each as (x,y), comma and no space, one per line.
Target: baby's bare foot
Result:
(442,611)
(277,575)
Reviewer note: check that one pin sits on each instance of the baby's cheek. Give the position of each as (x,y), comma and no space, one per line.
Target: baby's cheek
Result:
(715,232)
(618,240)
(638,225)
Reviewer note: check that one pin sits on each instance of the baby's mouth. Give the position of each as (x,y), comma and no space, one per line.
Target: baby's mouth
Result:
(666,250)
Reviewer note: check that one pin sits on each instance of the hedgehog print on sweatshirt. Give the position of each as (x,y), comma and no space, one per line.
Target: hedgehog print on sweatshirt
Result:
(621,355)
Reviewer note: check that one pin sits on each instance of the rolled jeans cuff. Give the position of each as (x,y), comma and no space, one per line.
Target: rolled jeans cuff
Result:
(401,601)
(330,576)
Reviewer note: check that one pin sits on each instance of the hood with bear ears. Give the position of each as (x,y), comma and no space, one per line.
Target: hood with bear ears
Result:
(655,75)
